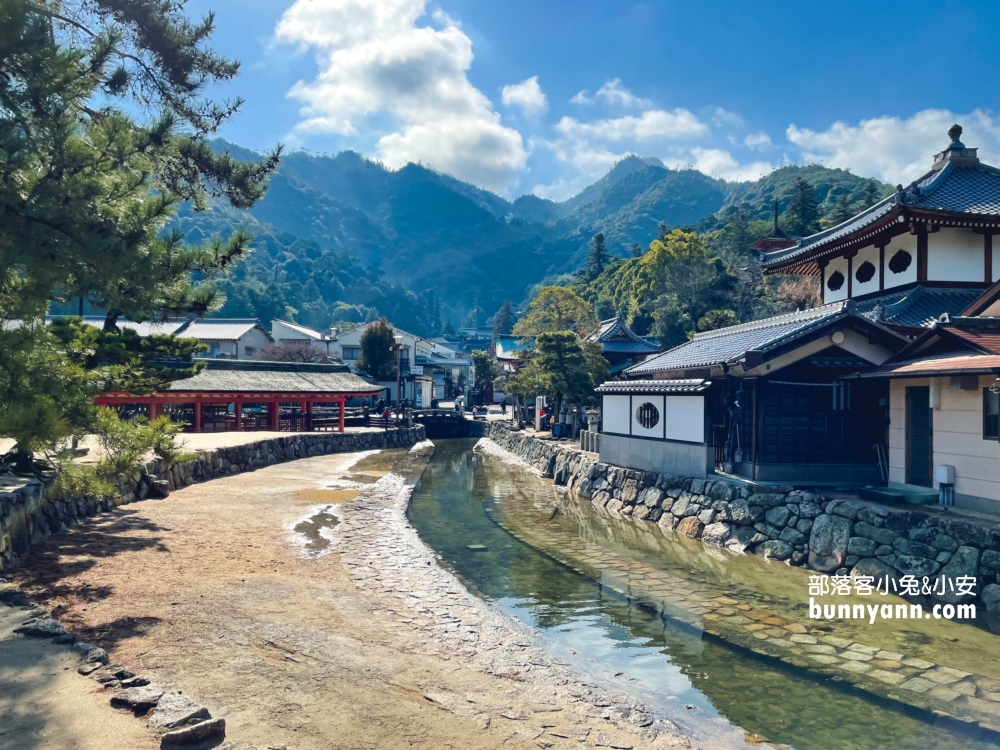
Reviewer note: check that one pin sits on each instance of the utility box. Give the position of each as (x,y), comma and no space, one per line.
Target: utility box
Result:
(944,474)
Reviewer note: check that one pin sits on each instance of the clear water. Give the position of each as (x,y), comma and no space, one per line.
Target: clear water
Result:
(710,688)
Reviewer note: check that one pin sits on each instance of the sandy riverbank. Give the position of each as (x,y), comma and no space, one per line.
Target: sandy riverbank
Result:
(367,644)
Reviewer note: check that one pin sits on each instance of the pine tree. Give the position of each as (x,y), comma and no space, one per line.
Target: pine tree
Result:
(842,209)
(598,258)
(636,250)
(503,321)
(871,193)
(802,214)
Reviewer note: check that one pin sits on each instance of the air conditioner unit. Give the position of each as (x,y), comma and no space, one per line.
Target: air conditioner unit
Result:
(944,474)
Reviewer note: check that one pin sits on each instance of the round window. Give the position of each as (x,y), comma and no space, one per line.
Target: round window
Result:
(647,415)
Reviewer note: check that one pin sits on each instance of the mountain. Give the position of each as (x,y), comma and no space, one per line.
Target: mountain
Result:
(345,236)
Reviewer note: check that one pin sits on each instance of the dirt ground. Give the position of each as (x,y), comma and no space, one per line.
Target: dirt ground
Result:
(211,592)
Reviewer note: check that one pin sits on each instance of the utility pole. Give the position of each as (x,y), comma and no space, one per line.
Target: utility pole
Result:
(399,373)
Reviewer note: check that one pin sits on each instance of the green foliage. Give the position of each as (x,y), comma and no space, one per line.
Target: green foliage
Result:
(715,319)
(125,443)
(874,192)
(802,215)
(556,309)
(475,318)
(503,321)
(562,366)
(486,370)
(597,366)
(597,260)
(79,480)
(378,354)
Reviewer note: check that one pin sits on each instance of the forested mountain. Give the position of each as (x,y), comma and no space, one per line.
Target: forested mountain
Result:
(341,238)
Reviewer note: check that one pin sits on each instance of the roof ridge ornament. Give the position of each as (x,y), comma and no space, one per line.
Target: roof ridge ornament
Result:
(956,153)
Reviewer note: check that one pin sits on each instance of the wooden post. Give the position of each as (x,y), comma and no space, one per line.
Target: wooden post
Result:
(302,424)
(309,414)
(238,412)
(988,258)
(340,416)
(274,407)
(197,415)
(921,233)
(881,268)
(152,409)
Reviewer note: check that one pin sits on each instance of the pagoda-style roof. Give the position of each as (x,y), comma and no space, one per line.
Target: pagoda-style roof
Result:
(774,240)
(958,191)
(616,337)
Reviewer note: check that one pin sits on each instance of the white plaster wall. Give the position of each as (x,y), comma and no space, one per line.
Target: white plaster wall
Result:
(656,431)
(616,414)
(955,255)
(829,295)
(906,242)
(685,418)
(870,255)
(958,438)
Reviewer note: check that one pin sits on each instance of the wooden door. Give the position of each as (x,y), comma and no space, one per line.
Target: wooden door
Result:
(919,437)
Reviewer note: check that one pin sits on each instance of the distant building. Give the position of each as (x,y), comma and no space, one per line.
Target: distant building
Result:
(286,332)
(621,346)
(507,351)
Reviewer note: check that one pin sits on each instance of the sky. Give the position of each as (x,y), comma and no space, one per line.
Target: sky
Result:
(544,96)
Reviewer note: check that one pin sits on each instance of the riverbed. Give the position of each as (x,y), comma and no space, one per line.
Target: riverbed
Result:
(638,610)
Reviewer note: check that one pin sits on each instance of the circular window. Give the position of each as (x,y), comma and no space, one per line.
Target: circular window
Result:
(865,272)
(647,415)
(900,261)
(836,281)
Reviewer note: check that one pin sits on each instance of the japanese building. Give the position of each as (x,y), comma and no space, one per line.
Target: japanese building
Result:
(780,398)
(621,346)
(248,396)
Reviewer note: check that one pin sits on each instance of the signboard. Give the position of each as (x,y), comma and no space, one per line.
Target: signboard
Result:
(416,369)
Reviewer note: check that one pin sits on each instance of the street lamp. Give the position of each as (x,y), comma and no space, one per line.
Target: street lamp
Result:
(399,353)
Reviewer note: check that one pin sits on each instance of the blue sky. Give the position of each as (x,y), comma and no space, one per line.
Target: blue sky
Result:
(543,96)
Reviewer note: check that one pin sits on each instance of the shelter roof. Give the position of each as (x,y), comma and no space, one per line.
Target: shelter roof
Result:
(273,377)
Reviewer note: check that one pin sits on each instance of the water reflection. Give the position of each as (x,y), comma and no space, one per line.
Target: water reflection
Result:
(589,617)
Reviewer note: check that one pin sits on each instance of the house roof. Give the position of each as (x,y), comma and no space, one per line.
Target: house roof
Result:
(958,184)
(221,329)
(273,377)
(690,385)
(304,330)
(615,336)
(507,347)
(918,307)
(731,344)
(148,328)
(981,333)
(968,364)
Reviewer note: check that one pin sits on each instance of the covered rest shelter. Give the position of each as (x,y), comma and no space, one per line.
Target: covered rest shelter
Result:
(242,395)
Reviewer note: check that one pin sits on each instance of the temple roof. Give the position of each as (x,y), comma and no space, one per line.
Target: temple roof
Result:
(691,385)
(273,377)
(918,307)
(957,185)
(615,336)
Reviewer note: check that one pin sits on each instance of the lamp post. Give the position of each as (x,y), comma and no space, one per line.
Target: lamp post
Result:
(399,374)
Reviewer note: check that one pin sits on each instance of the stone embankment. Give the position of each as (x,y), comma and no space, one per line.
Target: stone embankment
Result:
(27,514)
(834,536)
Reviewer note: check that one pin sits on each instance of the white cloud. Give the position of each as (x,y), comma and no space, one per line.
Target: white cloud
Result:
(527,95)
(893,149)
(613,94)
(375,57)
(653,123)
(723,118)
(718,163)
(758,141)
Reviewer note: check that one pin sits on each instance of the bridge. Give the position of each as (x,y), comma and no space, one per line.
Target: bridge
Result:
(442,424)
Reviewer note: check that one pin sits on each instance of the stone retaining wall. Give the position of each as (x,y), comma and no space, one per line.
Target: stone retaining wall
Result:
(26,515)
(838,537)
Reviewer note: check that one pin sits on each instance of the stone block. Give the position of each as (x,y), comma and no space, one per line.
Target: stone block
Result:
(690,526)
(861,546)
(828,542)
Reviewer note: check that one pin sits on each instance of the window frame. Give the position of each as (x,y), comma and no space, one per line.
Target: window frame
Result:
(987,396)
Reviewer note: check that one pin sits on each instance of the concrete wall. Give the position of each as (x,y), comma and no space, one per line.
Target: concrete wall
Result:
(958,441)
(660,456)
(27,514)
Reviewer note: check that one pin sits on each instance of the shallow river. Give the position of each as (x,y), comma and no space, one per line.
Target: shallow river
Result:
(602,591)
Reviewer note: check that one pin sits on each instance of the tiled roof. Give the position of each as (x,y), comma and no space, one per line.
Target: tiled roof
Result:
(976,363)
(273,377)
(507,347)
(615,336)
(654,386)
(220,329)
(730,344)
(304,330)
(918,307)
(149,328)
(957,187)
(982,333)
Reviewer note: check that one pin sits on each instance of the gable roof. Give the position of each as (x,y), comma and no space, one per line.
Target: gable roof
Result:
(273,377)
(953,336)
(730,345)
(304,330)
(507,346)
(615,336)
(221,329)
(957,185)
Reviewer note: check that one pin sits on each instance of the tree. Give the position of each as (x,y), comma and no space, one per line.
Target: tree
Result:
(378,355)
(474,319)
(293,351)
(802,214)
(872,191)
(486,369)
(842,209)
(104,128)
(503,321)
(556,309)
(597,365)
(598,258)
(562,366)
(715,319)
(636,250)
